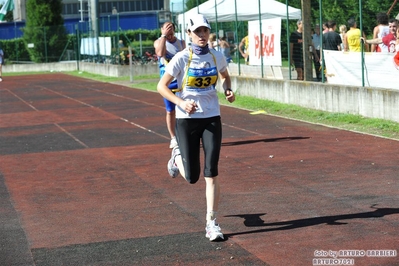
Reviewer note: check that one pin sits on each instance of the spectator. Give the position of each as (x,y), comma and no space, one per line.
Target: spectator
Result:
(122,53)
(331,39)
(225,49)
(381,30)
(244,49)
(390,39)
(212,43)
(396,57)
(325,27)
(166,47)
(296,50)
(352,37)
(342,32)
(114,11)
(316,41)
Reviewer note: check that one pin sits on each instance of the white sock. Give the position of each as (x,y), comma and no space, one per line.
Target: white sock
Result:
(210,216)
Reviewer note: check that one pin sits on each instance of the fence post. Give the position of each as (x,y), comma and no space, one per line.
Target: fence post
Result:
(261,38)
(362,43)
(45,43)
(77,46)
(141,44)
(131,64)
(321,43)
(16,42)
(117,41)
(307,40)
(288,41)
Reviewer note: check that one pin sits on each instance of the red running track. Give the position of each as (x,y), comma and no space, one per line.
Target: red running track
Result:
(83,181)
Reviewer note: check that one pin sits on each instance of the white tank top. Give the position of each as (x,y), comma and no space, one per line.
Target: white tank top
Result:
(383,31)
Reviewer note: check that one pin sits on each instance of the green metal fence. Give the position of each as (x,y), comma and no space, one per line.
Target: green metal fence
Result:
(56,43)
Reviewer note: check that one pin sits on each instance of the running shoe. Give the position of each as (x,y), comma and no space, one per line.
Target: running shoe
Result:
(213,231)
(173,170)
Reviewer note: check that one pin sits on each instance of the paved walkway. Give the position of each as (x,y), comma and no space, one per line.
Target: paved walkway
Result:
(83,181)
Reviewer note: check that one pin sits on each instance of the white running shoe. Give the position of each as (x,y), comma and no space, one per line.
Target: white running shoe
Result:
(173,170)
(173,143)
(213,231)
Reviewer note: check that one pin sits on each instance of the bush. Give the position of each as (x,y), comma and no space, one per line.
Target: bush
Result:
(43,30)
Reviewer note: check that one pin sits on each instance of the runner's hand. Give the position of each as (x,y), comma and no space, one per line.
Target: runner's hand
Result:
(229,95)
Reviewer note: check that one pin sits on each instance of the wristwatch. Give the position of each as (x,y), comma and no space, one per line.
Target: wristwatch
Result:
(163,36)
(226,90)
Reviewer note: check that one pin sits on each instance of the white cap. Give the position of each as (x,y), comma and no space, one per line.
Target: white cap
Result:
(196,21)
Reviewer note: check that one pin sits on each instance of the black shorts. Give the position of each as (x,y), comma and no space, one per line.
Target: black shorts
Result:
(298,63)
(189,133)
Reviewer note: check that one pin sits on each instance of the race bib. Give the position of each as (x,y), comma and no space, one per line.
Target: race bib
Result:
(201,77)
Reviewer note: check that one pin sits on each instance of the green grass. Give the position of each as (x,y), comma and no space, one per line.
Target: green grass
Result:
(113,79)
(351,122)
(13,74)
(379,127)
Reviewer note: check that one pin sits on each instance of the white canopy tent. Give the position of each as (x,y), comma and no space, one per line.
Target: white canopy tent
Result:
(247,10)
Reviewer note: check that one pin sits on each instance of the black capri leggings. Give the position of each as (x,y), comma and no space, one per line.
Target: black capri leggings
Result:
(189,133)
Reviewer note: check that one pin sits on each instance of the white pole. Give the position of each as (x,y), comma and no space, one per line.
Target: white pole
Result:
(81,10)
(131,63)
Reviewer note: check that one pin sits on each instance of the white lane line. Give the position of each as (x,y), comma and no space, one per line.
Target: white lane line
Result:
(22,100)
(139,126)
(125,97)
(65,96)
(72,136)
(121,118)
(242,129)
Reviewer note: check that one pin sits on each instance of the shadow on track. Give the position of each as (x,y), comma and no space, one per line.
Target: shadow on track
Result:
(255,220)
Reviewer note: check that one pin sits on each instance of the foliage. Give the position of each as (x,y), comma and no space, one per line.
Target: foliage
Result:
(193,3)
(14,50)
(342,10)
(43,30)
(9,16)
(132,38)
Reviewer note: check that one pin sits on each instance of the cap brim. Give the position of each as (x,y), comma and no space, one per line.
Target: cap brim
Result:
(193,28)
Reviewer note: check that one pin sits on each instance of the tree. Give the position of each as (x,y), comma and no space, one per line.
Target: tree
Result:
(45,30)
(342,10)
(193,3)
